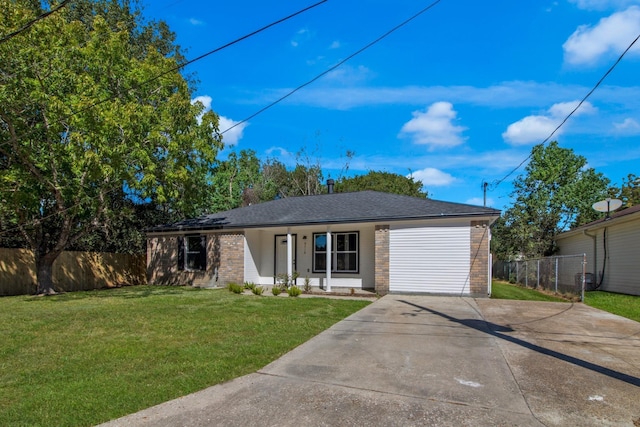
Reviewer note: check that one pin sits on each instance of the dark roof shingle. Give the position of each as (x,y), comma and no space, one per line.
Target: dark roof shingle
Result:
(363,206)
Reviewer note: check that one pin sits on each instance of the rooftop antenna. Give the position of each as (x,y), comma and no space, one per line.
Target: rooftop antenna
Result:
(607,205)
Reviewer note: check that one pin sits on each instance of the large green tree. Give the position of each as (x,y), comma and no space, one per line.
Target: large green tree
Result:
(629,191)
(386,182)
(555,192)
(89,107)
(233,179)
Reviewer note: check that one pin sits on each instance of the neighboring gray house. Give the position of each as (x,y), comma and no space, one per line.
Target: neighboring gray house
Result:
(363,240)
(613,250)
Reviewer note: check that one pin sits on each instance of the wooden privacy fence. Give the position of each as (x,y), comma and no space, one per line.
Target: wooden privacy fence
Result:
(72,271)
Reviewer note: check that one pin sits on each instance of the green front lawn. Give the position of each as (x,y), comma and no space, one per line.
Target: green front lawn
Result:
(82,358)
(623,305)
(504,290)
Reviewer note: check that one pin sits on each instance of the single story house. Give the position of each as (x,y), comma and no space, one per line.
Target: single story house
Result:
(362,240)
(612,246)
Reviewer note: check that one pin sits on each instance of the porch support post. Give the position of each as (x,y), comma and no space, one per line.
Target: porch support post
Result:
(329,259)
(289,254)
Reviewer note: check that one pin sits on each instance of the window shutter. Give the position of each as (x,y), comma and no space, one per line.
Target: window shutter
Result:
(203,252)
(180,253)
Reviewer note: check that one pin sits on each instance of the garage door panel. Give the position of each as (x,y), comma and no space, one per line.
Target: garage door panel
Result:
(429,259)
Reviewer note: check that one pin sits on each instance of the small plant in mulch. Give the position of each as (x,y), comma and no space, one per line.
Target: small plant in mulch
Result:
(257,290)
(235,288)
(294,291)
(276,290)
(249,285)
(307,285)
(282,281)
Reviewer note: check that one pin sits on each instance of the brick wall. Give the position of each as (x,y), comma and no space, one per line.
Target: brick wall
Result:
(225,261)
(479,258)
(230,261)
(382,259)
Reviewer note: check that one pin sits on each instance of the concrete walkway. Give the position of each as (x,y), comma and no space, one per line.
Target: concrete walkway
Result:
(442,361)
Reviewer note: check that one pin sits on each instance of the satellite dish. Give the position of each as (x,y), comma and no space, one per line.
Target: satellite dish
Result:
(607,205)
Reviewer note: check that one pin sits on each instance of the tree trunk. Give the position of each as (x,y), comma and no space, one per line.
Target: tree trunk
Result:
(44,273)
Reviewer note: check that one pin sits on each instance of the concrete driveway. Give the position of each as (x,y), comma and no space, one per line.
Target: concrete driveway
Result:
(442,361)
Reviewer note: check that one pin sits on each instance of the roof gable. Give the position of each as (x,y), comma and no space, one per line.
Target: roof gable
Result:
(627,214)
(362,206)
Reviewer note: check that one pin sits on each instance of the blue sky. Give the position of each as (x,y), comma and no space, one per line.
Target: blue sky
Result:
(456,97)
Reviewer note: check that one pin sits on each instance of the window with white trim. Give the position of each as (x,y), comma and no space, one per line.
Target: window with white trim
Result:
(344,252)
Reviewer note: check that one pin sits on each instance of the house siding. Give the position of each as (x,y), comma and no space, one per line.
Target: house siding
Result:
(251,257)
(622,273)
(622,267)
(431,258)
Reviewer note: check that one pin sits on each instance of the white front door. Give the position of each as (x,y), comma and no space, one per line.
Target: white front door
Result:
(281,253)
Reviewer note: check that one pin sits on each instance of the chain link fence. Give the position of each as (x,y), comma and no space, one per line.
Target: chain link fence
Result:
(559,274)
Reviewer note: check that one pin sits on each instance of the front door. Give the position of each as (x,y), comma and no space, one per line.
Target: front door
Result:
(281,253)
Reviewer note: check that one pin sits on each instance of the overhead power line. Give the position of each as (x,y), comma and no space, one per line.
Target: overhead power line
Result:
(500,181)
(7,231)
(180,66)
(282,98)
(33,21)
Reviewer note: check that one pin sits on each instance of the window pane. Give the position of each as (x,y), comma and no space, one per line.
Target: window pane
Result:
(352,262)
(320,242)
(346,262)
(194,244)
(320,262)
(353,242)
(340,242)
(195,252)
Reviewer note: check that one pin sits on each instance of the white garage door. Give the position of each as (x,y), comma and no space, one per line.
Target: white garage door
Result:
(434,259)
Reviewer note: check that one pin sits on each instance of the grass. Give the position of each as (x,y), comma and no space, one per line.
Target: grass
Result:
(623,305)
(504,290)
(83,358)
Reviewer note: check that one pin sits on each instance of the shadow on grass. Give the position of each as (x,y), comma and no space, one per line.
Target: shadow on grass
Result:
(498,331)
(126,292)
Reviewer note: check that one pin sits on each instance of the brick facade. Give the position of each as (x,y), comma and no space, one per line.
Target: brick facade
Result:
(479,273)
(225,261)
(382,259)
(229,248)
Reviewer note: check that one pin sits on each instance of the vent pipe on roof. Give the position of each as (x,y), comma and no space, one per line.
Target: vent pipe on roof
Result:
(330,183)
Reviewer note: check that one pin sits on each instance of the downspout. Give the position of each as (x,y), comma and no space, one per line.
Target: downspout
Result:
(595,250)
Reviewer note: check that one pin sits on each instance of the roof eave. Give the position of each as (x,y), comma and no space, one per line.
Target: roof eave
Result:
(492,216)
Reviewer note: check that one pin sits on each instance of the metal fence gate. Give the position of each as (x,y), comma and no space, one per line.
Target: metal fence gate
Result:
(560,274)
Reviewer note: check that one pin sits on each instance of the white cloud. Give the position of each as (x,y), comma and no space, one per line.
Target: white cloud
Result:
(536,128)
(602,4)
(301,36)
(479,201)
(335,45)
(196,22)
(435,127)
(509,94)
(232,136)
(628,126)
(348,75)
(432,177)
(204,100)
(611,36)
